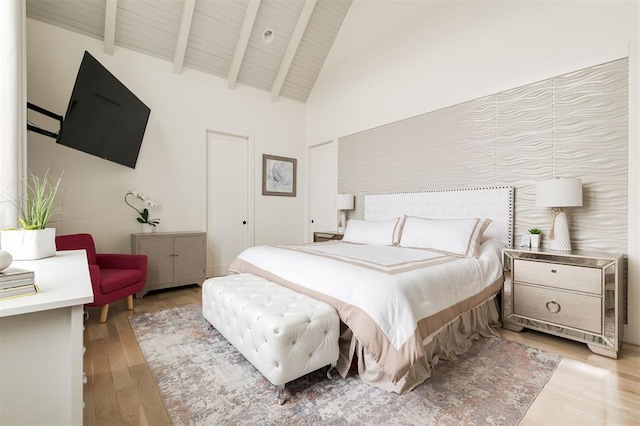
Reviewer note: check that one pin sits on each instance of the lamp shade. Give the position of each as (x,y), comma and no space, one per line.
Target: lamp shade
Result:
(559,192)
(345,202)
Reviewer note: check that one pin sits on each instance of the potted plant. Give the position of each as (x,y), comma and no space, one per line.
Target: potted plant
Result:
(148,225)
(535,237)
(32,239)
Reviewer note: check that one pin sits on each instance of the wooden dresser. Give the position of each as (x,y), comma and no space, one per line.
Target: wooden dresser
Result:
(41,351)
(173,258)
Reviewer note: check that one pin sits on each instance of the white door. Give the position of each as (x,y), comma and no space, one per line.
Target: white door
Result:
(229,186)
(323,165)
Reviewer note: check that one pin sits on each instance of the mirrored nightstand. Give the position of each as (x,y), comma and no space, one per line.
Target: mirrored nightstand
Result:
(326,236)
(574,295)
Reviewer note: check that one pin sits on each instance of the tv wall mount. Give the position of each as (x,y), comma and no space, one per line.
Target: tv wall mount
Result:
(34,128)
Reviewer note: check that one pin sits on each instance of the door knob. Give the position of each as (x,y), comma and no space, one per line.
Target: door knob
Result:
(244,222)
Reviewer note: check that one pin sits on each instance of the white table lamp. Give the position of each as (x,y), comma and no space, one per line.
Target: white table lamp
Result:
(343,202)
(559,193)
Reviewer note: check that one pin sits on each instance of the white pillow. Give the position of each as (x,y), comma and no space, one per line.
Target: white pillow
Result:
(461,237)
(379,232)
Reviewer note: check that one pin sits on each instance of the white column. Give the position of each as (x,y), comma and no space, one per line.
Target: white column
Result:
(13,98)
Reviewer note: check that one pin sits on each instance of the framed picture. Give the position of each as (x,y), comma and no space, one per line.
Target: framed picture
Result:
(278,175)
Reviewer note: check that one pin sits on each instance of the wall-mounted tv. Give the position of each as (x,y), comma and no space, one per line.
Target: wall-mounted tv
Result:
(103,117)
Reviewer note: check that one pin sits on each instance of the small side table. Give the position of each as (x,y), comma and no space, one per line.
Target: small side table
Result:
(574,295)
(326,236)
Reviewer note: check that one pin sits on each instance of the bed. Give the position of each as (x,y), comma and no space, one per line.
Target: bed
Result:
(413,282)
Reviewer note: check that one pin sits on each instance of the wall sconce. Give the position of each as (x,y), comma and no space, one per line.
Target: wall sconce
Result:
(559,193)
(344,202)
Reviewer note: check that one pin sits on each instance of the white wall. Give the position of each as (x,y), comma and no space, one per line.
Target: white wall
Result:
(171,167)
(398,59)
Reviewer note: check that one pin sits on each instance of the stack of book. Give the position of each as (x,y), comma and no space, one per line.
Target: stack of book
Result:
(15,282)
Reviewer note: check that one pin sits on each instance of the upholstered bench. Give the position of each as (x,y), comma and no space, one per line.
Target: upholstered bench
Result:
(283,333)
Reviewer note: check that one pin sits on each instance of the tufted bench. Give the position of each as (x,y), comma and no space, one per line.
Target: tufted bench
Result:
(284,334)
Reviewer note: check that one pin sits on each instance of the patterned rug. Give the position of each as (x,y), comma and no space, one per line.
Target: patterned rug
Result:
(203,380)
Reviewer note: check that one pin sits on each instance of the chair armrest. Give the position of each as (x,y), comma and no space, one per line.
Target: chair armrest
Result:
(122,261)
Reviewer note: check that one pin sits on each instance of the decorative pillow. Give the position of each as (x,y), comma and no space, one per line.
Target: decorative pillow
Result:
(460,237)
(371,231)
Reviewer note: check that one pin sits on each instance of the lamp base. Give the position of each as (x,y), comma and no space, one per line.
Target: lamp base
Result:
(561,241)
(342,222)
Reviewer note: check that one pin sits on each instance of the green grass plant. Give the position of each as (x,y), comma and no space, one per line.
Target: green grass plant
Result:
(39,202)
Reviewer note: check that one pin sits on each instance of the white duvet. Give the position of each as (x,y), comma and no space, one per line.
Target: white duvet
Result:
(396,288)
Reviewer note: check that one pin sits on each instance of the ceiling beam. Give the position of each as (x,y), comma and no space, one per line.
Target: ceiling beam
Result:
(110,13)
(296,37)
(183,35)
(243,40)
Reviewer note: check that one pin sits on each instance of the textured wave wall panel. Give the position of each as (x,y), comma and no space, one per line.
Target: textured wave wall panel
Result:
(525,146)
(591,122)
(573,125)
(473,143)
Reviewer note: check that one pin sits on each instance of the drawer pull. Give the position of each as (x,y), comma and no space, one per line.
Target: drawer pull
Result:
(553,306)
(553,271)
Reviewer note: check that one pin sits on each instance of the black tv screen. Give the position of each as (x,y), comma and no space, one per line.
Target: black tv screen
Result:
(103,117)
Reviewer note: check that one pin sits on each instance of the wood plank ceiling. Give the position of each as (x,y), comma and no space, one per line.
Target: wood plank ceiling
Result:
(225,38)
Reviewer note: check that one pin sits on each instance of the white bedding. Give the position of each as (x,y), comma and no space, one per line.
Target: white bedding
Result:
(392,298)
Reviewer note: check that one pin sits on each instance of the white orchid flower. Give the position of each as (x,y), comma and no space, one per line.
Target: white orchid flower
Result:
(144,213)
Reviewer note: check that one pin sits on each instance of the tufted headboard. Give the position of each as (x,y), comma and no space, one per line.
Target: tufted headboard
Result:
(495,203)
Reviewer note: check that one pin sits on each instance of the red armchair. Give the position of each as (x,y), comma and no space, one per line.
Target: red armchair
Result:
(113,276)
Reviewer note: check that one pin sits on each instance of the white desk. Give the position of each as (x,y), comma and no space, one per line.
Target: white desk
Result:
(41,344)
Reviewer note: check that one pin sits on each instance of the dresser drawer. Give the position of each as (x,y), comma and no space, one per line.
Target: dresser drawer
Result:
(566,309)
(569,277)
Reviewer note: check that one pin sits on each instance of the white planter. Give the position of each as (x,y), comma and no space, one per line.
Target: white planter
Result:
(535,240)
(29,245)
(147,229)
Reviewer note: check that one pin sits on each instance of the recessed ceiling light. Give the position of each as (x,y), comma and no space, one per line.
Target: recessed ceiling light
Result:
(267,36)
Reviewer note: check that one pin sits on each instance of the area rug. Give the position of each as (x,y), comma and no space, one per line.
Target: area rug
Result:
(203,380)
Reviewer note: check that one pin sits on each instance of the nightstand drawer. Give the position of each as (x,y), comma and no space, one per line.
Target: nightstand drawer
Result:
(566,309)
(569,277)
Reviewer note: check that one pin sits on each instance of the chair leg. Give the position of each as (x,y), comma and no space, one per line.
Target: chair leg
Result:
(104,312)
(130,302)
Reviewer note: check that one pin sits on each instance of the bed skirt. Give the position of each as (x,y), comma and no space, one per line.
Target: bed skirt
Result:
(451,340)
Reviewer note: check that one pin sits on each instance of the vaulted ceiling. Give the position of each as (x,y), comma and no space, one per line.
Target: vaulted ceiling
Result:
(278,46)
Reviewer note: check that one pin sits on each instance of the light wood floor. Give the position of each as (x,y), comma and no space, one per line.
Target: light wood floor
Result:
(586,389)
